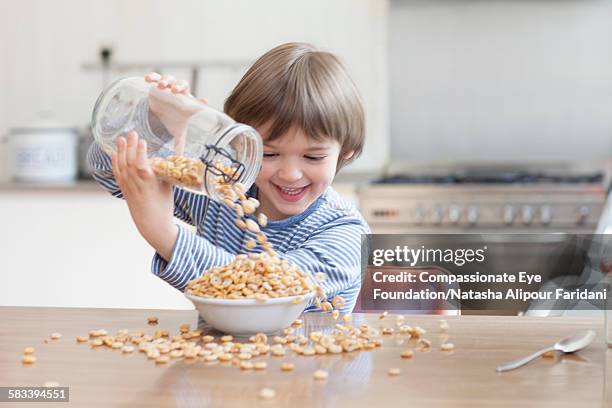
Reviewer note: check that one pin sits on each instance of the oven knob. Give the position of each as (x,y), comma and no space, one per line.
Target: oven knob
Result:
(546,214)
(527,214)
(472,215)
(436,216)
(454,214)
(583,213)
(508,215)
(419,215)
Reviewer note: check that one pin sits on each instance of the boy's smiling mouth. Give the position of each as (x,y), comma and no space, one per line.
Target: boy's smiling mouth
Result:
(291,194)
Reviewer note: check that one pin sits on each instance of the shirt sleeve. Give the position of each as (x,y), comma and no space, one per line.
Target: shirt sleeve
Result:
(335,251)
(188,207)
(191,256)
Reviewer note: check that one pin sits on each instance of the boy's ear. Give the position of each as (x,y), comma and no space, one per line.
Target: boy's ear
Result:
(348,154)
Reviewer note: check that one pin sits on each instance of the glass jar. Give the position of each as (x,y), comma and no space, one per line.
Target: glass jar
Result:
(188,142)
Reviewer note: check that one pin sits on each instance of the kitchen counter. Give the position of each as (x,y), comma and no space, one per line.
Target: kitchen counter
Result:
(465,377)
(80,185)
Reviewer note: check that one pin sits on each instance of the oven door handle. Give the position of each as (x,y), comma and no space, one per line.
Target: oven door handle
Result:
(546,238)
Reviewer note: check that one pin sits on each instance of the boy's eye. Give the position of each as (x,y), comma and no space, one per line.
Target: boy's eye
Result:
(315,158)
(270,154)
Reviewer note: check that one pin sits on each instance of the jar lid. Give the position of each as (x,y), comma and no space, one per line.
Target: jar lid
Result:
(44,122)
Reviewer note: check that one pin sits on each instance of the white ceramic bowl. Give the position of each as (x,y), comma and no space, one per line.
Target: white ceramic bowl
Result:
(249,316)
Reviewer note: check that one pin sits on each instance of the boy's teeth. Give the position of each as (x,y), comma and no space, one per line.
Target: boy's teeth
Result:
(291,191)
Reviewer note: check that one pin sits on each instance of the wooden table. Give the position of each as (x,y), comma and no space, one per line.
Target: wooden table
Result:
(463,378)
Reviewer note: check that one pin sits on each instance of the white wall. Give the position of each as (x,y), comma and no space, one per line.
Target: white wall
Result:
(79,247)
(519,80)
(44,44)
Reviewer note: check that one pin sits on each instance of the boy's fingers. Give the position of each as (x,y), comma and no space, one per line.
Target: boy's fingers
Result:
(166,81)
(203,100)
(152,77)
(180,86)
(115,167)
(132,141)
(142,162)
(120,154)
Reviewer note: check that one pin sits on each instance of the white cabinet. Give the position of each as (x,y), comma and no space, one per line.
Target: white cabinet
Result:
(76,247)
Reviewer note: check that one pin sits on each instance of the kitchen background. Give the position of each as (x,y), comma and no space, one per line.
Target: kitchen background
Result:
(449,86)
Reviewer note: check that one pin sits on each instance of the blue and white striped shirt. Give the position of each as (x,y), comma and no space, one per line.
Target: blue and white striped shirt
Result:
(324,238)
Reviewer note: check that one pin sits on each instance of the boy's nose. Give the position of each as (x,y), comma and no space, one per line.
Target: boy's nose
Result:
(290,172)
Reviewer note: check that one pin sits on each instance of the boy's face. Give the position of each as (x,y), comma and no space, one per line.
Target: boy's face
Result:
(295,171)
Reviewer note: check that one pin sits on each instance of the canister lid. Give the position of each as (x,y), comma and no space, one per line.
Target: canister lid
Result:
(43,122)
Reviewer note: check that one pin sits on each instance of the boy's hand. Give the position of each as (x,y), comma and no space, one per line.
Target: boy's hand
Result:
(173,105)
(149,199)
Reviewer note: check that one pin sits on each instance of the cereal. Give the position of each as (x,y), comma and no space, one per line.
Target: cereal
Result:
(257,276)
(225,357)
(320,375)
(383,315)
(443,325)
(287,367)
(225,339)
(387,330)
(394,372)
(319,349)
(267,393)
(424,343)
(277,351)
(28,359)
(260,365)
(335,314)
(418,331)
(245,356)
(152,320)
(246,365)
(447,346)
(308,351)
(262,220)
(180,169)
(96,342)
(407,354)
(405,329)
(55,336)
(127,349)
(249,206)
(548,354)
(162,360)
(338,301)
(28,350)
(81,339)
(334,349)
(251,225)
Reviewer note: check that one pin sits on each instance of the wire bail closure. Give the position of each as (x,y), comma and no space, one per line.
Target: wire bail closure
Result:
(212,153)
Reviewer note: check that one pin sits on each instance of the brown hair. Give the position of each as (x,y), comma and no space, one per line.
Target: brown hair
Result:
(295,84)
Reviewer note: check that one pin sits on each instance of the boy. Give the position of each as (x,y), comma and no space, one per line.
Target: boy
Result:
(309,114)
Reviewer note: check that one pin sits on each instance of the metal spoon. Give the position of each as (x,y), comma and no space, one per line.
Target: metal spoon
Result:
(567,345)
